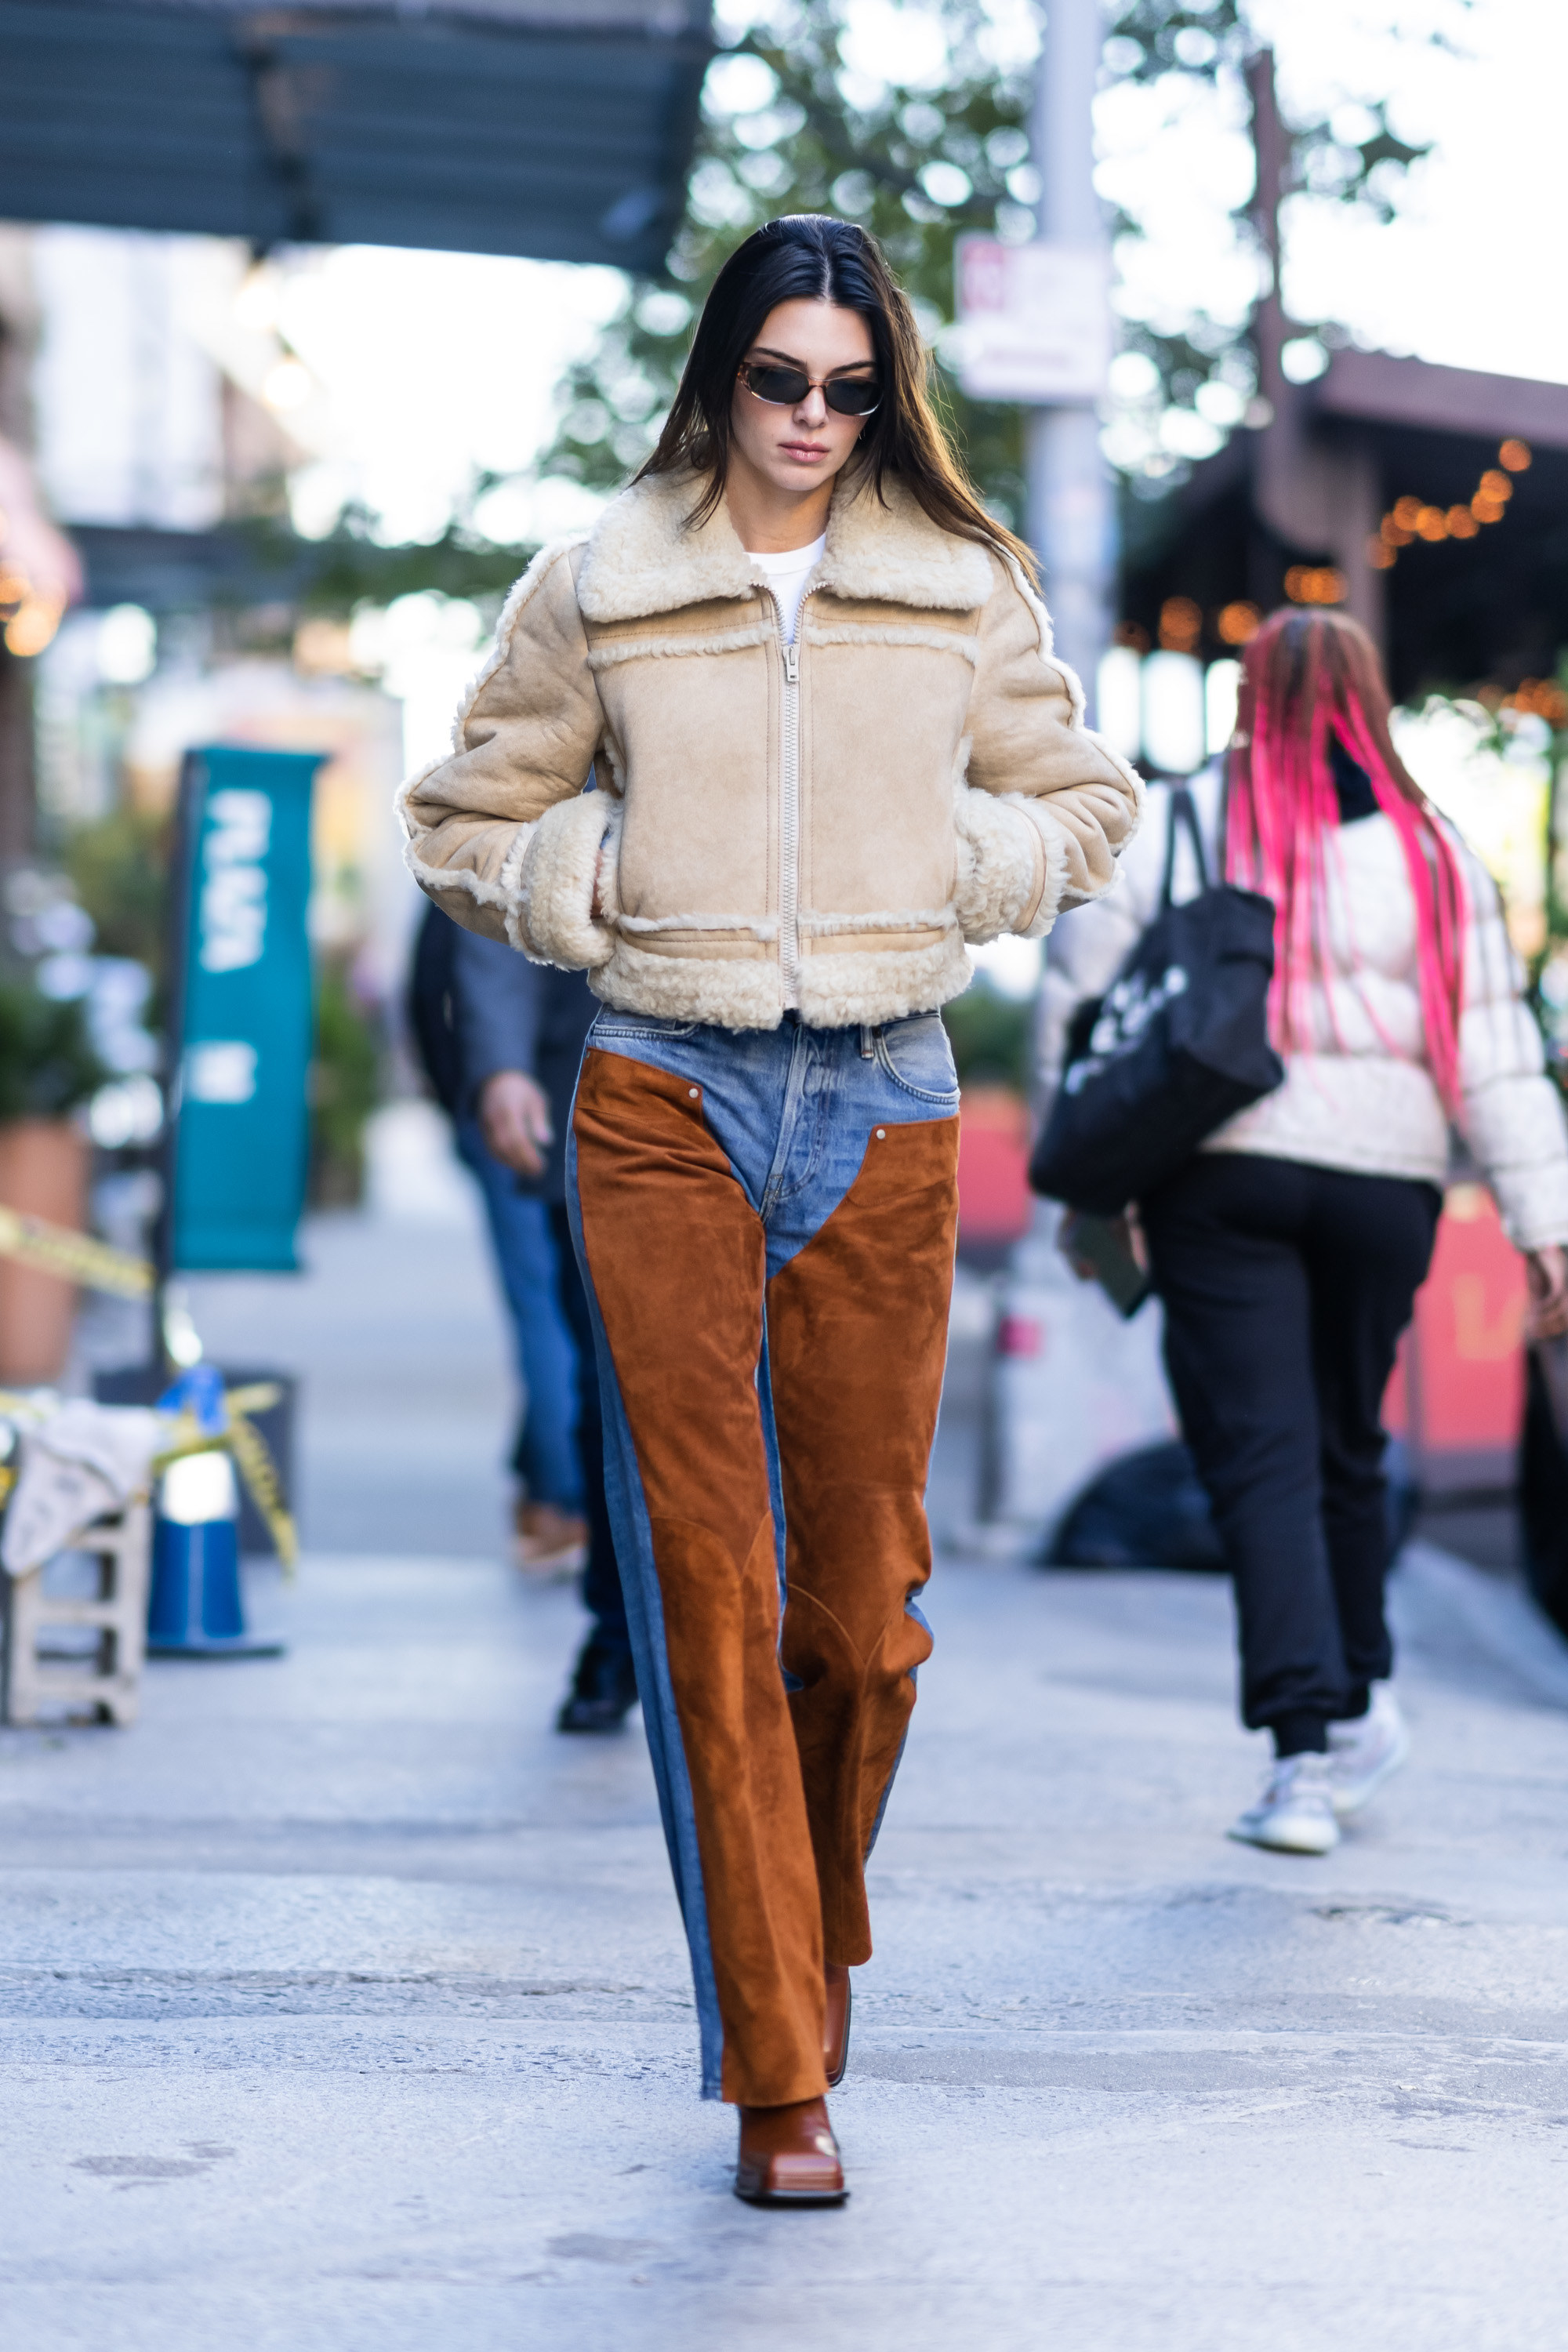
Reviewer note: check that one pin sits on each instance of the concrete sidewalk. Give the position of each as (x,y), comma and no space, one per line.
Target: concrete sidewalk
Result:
(343,2006)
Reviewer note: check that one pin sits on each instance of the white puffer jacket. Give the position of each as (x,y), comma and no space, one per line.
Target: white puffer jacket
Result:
(1361,1098)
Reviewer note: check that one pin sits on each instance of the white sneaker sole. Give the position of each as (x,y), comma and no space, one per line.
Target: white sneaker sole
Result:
(1348,1797)
(1286,1835)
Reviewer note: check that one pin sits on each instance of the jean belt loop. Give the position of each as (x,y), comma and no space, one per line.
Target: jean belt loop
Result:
(867,1041)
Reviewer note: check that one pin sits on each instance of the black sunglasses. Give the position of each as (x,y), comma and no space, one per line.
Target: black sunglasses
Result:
(786,387)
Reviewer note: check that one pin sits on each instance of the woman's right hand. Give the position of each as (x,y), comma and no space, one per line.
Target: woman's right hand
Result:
(514,1119)
(1546,1273)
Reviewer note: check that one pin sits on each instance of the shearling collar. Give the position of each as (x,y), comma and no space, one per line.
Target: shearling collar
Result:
(641,559)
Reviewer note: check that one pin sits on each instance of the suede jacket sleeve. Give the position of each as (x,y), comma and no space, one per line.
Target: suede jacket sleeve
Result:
(1512,1117)
(510,792)
(1049,807)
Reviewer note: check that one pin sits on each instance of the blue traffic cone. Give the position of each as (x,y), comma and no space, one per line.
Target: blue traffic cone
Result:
(195,1610)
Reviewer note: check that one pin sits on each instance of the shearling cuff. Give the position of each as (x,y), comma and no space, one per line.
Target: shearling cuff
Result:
(551,906)
(1005,880)
(1054,892)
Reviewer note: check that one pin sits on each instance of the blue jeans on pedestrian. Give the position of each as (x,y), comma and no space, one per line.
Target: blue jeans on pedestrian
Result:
(545,1457)
(765,1224)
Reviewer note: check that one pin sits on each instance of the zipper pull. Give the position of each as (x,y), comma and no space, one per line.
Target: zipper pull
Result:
(792,664)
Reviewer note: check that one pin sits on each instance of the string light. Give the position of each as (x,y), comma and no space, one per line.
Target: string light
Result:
(1238,623)
(1408,519)
(1539,698)
(33,624)
(1315,583)
(29,616)
(1181,626)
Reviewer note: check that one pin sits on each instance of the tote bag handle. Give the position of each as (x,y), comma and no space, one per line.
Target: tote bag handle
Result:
(1183,812)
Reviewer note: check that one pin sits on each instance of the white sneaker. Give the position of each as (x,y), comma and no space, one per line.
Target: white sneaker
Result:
(1295,1814)
(1363,1753)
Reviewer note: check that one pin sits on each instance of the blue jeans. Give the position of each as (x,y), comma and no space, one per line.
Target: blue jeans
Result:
(545,1457)
(765,1224)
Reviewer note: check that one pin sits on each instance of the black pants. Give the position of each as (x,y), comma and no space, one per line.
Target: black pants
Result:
(1286,1288)
(602,1578)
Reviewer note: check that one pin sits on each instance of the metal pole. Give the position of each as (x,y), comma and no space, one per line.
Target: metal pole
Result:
(182,884)
(1070,521)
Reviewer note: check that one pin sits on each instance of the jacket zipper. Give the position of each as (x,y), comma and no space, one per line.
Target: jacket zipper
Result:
(789,817)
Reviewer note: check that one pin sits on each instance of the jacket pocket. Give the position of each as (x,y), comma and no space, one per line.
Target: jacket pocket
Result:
(917,1055)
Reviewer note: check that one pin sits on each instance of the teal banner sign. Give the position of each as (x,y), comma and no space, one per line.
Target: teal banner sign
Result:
(242,1137)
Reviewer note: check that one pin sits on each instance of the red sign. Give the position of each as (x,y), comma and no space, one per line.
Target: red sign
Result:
(994,1202)
(1457,1392)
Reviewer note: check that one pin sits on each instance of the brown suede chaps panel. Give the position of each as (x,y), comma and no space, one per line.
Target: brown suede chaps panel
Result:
(856,1347)
(785,1790)
(676,1252)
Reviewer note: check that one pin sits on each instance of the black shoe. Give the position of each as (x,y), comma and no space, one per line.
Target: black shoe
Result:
(603,1693)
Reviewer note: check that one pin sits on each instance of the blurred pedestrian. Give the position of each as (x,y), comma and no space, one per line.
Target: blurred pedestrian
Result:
(521,1028)
(549,1531)
(1287,1251)
(819,688)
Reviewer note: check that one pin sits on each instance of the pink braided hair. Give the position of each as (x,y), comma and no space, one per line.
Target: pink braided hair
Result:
(1307,677)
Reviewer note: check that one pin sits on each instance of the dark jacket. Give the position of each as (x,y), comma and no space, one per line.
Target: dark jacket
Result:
(431,1016)
(510,1014)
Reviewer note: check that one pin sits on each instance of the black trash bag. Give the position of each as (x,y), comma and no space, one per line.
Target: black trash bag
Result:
(1149,1509)
(1544,1497)
(1144,1510)
(1178,1043)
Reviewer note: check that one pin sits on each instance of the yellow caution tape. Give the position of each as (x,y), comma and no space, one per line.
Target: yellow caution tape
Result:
(75,1257)
(259,1472)
(259,1396)
(252,1459)
(252,1456)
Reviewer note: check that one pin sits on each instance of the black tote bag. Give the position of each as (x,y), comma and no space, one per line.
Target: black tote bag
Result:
(1177,1045)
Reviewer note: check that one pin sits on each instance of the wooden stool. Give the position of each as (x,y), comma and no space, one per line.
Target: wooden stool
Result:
(105,1682)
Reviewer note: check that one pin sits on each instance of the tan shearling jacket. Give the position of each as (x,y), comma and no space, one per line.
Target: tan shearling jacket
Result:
(819,825)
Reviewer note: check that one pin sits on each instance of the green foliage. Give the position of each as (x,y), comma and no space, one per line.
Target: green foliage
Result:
(1152,40)
(822,142)
(119,869)
(48,1066)
(992,1035)
(345,1088)
(350,567)
(918,168)
(1362,162)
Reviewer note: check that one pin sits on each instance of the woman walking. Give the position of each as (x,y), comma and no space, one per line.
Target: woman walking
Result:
(831,743)
(1288,1251)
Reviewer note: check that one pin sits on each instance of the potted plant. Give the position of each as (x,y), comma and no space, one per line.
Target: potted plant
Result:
(47,1071)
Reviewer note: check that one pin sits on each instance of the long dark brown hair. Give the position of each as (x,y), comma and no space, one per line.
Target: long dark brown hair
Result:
(1308,679)
(810,257)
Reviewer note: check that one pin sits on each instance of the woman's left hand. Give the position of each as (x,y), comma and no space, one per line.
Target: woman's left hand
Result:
(1546,1271)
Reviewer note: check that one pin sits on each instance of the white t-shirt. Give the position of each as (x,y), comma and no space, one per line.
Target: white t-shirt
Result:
(786,576)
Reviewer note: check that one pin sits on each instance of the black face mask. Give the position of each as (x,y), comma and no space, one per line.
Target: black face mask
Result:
(786,387)
(1352,785)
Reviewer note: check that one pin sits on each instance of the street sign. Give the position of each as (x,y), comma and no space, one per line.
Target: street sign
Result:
(1033,321)
(243,1030)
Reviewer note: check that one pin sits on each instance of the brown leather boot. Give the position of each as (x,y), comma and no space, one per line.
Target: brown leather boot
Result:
(836,2023)
(789,2156)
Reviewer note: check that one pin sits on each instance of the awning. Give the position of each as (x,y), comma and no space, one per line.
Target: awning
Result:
(561,129)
